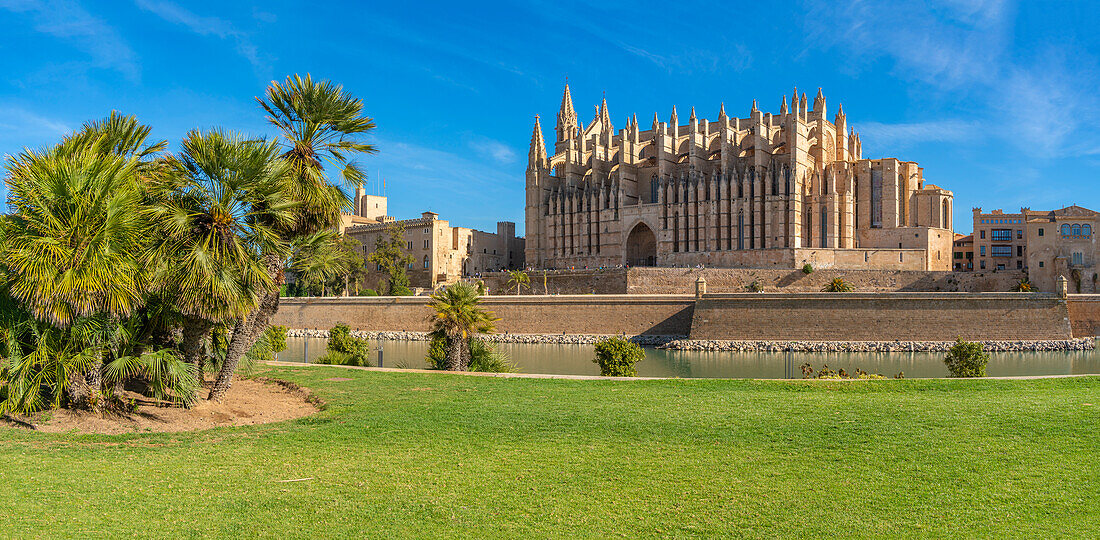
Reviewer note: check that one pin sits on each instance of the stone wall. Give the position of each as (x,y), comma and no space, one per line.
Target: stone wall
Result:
(592,281)
(582,314)
(1084,314)
(729,280)
(881,317)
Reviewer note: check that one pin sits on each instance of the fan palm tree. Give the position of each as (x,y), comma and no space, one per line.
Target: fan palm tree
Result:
(457,318)
(216,225)
(320,125)
(520,278)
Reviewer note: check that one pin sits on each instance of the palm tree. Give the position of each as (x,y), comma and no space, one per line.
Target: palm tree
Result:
(458,318)
(216,224)
(320,124)
(519,277)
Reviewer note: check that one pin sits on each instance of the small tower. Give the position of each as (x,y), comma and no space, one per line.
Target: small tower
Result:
(841,124)
(819,105)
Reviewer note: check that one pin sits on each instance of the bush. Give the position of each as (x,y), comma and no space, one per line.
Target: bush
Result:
(966,359)
(368,292)
(807,269)
(400,290)
(276,335)
(838,285)
(483,357)
(755,286)
(350,350)
(616,357)
(1024,286)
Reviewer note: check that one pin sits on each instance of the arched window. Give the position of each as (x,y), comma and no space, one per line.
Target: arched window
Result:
(425,261)
(787,181)
(1086,230)
(946,213)
(1076,230)
(653,189)
(1065,229)
(824,228)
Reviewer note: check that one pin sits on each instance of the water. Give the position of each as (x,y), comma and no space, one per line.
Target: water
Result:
(577,360)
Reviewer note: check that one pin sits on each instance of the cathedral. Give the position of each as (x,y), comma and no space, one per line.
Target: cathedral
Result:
(770,190)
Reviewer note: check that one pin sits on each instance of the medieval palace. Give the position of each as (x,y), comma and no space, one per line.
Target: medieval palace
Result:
(764,191)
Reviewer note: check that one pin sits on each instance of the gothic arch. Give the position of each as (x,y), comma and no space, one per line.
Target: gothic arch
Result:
(641,246)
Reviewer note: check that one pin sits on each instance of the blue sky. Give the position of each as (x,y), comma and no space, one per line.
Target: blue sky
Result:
(996,100)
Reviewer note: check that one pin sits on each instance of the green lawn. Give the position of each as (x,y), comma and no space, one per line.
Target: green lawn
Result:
(415,455)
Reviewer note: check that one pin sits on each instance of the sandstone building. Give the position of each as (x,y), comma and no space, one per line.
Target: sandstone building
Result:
(1061,243)
(442,254)
(767,190)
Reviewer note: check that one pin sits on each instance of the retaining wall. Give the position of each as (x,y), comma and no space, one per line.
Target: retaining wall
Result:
(1084,314)
(881,317)
(668,315)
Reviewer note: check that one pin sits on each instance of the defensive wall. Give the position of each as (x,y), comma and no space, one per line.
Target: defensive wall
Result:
(738,316)
(645,280)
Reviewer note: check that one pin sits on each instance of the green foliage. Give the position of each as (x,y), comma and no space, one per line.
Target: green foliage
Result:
(349,350)
(481,290)
(368,292)
(755,286)
(826,373)
(170,378)
(389,253)
(807,269)
(483,356)
(838,284)
(458,316)
(616,357)
(966,359)
(1024,285)
(276,335)
(519,278)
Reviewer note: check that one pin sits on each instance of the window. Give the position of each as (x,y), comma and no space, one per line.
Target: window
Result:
(1078,258)
(958,255)
(1000,267)
(1002,235)
(410,244)
(1019,234)
(1019,251)
(425,261)
(1076,230)
(653,190)
(1040,264)
(1000,251)
(1065,229)
(1040,231)
(425,244)
(1086,230)
(981,251)
(427,230)
(1019,265)
(982,265)
(981,234)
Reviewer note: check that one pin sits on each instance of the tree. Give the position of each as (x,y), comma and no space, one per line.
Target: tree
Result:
(458,318)
(389,254)
(325,259)
(320,124)
(519,277)
(216,224)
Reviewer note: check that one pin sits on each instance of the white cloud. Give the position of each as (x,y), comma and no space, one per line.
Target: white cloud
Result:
(68,20)
(206,26)
(492,149)
(895,135)
(22,123)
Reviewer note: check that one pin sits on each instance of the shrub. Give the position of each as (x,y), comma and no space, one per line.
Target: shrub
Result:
(335,358)
(368,292)
(341,342)
(838,285)
(966,359)
(276,335)
(807,269)
(755,286)
(826,373)
(616,357)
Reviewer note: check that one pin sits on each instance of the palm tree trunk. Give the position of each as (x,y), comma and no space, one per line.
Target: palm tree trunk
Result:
(246,332)
(193,345)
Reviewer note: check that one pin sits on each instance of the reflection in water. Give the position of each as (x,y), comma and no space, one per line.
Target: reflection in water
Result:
(577,360)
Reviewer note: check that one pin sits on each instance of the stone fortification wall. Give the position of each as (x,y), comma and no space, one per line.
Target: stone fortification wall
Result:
(682,280)
(1084,314)
(721,280)
(666,315)
(881,317)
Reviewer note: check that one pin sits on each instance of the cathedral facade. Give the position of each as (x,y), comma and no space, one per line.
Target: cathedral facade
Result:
(764,191)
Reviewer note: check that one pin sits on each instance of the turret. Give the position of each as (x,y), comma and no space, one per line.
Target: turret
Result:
(783,107)
(819,105)
(674,123)
(841,134)
(802,112)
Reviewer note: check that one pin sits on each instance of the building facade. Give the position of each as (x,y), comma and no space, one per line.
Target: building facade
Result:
(1000,240)
(964,253)
(442,254)
(1061,243)
(767,190)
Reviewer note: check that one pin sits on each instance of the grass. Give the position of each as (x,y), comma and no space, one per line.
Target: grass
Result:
(437,455)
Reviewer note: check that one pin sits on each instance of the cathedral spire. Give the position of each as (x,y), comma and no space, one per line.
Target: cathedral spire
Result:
(754,109)
(722,111)
(819,103)
(802,105)
(566,128)
(692,117)
(656,123)
(605,118)
(674,120)
(783,106)
(536,157)
(839,120)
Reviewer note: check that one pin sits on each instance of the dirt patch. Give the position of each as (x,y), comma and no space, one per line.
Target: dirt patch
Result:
(248,402)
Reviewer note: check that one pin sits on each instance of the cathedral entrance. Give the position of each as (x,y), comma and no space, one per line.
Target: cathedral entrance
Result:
(641,246)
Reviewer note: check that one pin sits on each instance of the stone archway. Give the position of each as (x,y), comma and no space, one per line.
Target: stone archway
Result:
(641,246)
